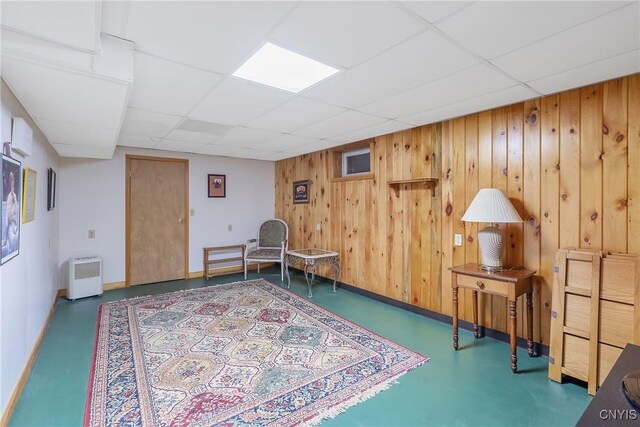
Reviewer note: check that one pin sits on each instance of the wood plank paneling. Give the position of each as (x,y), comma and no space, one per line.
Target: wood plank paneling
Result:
(614,166)
(570,164)
(570,169)
(633,177)
(591,167)
(531,200)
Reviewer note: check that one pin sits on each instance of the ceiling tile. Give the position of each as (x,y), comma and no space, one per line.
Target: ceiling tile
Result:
(254,154)
(493,28)
(340,124)
(371,131)
(395,70)
(480,103)
(472,82)
(610,68)
(60,95)
(344,33)
(294,114)
(85,151)
(242,137)
(190,136)
(433,11)
(139,141)
(182,146)
(166,87)
(71,23)
(59,131)
(114,17)
(216,36)
(219,150)
(610,35)
(236,102)
(289,142)
(141,122)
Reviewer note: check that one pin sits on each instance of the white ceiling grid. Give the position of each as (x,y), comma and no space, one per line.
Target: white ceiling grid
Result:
(402,64)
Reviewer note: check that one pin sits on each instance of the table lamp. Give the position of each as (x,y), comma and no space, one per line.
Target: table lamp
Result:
(491,206)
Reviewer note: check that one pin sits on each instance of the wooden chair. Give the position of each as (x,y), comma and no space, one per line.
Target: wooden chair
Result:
(270,246)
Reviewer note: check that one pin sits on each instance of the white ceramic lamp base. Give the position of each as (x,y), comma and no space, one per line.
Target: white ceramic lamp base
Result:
(490,240)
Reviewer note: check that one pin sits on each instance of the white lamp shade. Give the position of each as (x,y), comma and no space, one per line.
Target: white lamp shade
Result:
(491,205)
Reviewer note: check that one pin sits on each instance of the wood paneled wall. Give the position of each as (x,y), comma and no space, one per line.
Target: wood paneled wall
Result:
(570,164)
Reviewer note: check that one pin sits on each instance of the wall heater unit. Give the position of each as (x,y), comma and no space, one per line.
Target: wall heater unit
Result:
(85,277)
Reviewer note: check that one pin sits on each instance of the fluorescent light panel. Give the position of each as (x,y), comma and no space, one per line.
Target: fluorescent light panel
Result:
(280,68)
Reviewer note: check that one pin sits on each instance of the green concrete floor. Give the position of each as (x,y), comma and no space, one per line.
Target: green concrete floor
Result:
(471,387)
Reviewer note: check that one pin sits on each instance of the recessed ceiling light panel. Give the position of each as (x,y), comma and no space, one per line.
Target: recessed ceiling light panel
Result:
(283,69)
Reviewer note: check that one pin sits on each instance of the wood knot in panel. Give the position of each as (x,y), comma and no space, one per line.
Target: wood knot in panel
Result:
(532,117)
(594,216)
(449,209)
(620,138)
(605,129)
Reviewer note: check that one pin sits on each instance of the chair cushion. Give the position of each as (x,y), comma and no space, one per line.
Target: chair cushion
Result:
(272,233)
(267,254)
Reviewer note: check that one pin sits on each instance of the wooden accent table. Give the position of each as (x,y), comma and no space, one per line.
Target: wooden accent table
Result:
(508,283)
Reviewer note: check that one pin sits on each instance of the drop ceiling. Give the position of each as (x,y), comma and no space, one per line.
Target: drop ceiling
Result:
(158,75)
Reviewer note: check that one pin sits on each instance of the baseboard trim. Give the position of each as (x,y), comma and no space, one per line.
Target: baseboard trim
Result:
(539,349)
(62,293)
(26,370)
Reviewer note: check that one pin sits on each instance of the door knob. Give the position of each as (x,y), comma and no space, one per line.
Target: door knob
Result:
(181,220)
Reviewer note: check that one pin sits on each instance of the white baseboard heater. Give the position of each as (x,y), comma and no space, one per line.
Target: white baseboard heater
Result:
(85,277)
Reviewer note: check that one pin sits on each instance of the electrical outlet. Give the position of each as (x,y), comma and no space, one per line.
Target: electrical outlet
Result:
(229,227)
(318,227)
(92,234)
(458,240)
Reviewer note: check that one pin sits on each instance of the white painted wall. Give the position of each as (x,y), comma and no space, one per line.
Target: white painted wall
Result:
(92,197)
(29,282)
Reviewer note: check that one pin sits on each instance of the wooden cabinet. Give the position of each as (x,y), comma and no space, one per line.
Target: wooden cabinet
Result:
(595,313)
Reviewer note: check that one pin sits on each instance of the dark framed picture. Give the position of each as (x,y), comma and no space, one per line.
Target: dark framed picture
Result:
(301,191)
(217,185)
(11,208)
(51,189)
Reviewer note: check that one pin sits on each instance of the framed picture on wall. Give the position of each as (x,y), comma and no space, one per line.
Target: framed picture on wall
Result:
(51,189)
(29,195)
(301,191)
(217,185)
(10,221)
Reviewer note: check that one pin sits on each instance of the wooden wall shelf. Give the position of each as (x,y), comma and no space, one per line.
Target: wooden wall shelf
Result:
(429,182)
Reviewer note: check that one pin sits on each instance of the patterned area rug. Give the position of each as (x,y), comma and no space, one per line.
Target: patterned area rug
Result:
(239,354)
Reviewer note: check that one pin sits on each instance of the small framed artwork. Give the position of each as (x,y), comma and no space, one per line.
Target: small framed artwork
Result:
(10,222)
(51,189)
(301,191)
(217,185)
(29,195)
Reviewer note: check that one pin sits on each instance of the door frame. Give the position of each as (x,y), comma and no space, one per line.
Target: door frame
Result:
(127,172)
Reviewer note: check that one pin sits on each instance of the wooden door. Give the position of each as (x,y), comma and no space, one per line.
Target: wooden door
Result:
(157,221)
